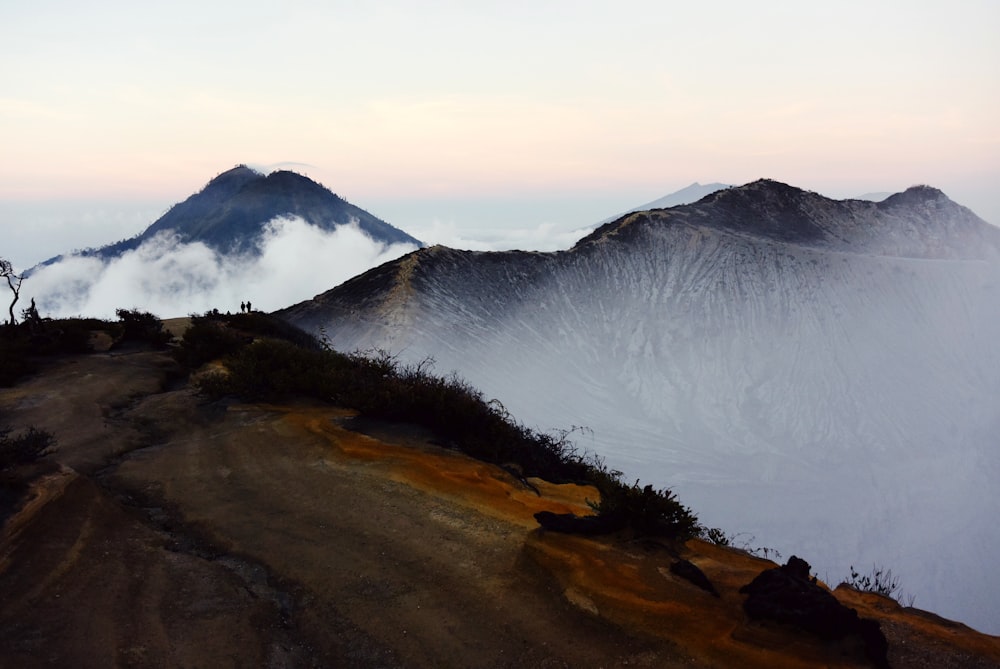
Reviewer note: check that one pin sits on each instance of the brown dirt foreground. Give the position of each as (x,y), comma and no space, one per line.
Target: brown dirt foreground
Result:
(166,532)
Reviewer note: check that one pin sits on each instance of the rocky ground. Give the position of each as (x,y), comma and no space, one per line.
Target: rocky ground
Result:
(166,531)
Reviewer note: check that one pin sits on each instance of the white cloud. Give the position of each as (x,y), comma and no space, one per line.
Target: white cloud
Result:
(170,278)
(542,237)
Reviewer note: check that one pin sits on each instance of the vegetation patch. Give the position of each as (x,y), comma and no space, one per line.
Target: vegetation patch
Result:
(25,344)
(16,451)
(269,360)
(24,448)
(880,581)
(142,326)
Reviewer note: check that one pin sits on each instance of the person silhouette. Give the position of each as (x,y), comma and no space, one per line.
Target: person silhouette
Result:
(243,307)
(248,307)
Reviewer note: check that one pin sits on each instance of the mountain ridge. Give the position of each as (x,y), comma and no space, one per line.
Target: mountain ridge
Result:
(985,244)
(750,350)
(775,210)
(696,191)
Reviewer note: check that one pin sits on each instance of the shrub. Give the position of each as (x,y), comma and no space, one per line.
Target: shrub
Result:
(206,340)
(24,448)
(646,510)
(375,384)
(142,326)
(269,370)
(715,536)
(22,345)
(68,335)
(214,336)
(742,541)
(264,325)
(880,581)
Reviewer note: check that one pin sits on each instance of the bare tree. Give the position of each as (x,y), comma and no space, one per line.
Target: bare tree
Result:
(14,281)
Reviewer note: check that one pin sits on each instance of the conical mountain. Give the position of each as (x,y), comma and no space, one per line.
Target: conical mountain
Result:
(230,213)
(821,375)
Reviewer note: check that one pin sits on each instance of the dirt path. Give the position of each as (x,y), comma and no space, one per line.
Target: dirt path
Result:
(403,576)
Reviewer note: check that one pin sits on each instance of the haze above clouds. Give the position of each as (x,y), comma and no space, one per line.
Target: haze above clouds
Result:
(418,111)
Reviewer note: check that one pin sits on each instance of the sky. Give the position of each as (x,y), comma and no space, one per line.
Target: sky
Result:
(469,121)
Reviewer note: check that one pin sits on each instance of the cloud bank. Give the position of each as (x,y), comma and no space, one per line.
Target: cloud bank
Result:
(169,278)
(542,237)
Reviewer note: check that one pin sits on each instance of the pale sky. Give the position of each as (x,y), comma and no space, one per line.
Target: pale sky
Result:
(412,108)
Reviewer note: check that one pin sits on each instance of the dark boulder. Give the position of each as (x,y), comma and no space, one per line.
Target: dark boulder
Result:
(570,523)
(690,572)
(788,595)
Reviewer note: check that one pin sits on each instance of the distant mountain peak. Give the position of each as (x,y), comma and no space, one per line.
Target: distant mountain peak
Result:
(921,222)
(686,195)
(231,212)
(237,171)
(233,179)
(916,194)
(769,189)
(288,178)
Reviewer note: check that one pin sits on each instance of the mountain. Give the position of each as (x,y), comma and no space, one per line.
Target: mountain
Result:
(245,237)
(230,213)
(877,196)
(686,195)
(819,375)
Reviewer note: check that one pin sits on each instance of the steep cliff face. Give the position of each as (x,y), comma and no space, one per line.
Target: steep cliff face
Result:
(822,375)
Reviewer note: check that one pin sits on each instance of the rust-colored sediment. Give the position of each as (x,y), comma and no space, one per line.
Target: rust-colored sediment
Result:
(486,488)
(628,582)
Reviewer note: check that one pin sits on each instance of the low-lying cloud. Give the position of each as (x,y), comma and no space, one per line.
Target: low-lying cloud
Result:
(542,237)
(170,278)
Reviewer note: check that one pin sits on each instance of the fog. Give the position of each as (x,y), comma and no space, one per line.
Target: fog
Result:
(170,278)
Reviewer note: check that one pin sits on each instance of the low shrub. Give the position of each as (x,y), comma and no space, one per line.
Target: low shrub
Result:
(206,340)
(142,326)
(24,344)
(645,510)
(714,535)
(378,386)
(741,541)
(24,448)
(263,325)
(213,336)
(269,370)
(880,581)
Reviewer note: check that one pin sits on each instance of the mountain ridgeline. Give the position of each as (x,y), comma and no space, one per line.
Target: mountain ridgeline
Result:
(821,375)
(230,213)
(686,195)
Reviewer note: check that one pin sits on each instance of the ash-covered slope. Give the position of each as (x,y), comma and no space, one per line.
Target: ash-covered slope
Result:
(230,213)
(822,375)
